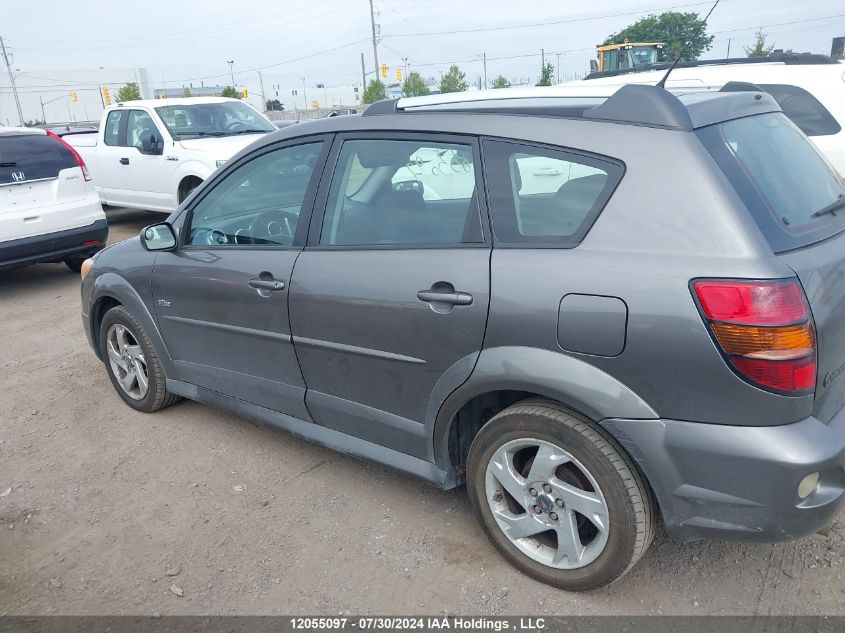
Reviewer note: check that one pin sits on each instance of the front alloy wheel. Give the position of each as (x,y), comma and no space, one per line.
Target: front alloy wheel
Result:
(127,362)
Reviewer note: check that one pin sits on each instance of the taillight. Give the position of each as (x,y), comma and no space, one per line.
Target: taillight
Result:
(79,160)
(764,329)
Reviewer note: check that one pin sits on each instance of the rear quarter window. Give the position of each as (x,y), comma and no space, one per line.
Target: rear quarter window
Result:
(27,157)
(545,196)
(784,181)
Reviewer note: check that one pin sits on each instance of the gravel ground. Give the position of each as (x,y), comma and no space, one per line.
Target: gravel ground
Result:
(196,511)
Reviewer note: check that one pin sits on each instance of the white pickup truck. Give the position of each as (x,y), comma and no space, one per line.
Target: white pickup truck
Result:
(152,154)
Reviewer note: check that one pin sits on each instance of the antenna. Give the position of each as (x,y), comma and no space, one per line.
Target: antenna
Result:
(662,82)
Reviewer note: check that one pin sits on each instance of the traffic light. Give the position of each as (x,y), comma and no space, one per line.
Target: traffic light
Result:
(106,96)
(384,71)
(398,74)
(245,93)
(73,96)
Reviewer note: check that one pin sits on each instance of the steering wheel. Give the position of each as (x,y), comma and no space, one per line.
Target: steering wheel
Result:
(275,226)
(234,126)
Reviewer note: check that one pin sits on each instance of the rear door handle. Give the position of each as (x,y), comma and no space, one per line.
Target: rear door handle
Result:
(124,161)
(274,285)
(452,298)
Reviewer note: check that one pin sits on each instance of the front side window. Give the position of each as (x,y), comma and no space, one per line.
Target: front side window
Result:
(387,192)
(140,129)
(225,118)
(259,203)
(543,195)
(112,131)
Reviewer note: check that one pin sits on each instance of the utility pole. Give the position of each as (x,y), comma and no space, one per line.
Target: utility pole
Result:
(375,41)
(728,56)
(484,57)
(304,93)
(231,63)
(543,58)
(363,76)
(12,79)
(263,95)
(558,67)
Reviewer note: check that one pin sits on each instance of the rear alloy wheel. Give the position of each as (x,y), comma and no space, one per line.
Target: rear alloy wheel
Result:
(131,362)
(557,498)
(74,263)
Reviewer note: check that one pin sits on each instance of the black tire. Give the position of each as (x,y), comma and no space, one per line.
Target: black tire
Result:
(630,505)
(157,396)
(74,263)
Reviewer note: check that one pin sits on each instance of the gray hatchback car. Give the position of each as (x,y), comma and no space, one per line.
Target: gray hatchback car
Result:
(594,311)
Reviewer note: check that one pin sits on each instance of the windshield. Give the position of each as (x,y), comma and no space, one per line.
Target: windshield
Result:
(789,188)
(201,120)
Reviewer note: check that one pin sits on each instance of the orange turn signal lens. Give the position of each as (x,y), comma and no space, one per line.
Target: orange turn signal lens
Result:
(87,265)
(768,343)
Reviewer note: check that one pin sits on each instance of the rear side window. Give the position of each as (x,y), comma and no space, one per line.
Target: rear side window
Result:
(112,132)
(781,177)
(28,157)
(803,109)
(545,196)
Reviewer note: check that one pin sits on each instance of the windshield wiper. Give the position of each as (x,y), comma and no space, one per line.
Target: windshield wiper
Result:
(833,207)
(200,133)
(251,131)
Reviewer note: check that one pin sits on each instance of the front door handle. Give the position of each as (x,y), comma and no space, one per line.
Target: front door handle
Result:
(273,285)
(452,298)
(124,161)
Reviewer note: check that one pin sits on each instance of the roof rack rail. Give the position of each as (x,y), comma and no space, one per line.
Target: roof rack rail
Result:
(632,104)
(787,58)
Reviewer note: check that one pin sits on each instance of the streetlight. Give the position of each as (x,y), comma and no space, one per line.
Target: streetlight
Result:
(304,93)
(231,63)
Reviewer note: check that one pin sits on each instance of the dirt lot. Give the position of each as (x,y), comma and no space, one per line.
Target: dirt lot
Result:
(114,511)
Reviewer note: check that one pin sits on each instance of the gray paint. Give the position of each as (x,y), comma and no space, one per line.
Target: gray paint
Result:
(383,373)
(590,324)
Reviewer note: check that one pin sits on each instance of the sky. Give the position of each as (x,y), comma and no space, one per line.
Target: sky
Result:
(184,42)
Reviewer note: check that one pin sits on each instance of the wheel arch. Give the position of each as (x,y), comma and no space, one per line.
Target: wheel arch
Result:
(110,290)
(506,375)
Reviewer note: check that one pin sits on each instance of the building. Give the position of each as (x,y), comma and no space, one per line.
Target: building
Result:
(49,94)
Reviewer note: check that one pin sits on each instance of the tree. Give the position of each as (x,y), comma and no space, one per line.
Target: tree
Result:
(374,92)
(230,92)
(453,81)
(547,74)
(186,92)
(501,82)
(759,49)
(672,28)
(129,92)
(414,86)
(274,105)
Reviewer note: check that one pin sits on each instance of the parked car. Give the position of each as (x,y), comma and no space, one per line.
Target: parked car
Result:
(49,211)
(586,341)
(809,88)
(152,154)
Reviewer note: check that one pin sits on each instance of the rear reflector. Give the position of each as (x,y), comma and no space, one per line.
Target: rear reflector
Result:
(79,160)
(91,243)
(765,331)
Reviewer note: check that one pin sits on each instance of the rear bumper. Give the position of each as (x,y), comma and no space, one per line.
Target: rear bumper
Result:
(52,247)
(715,481)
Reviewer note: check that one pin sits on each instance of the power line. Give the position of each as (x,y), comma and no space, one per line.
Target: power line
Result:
(547,22)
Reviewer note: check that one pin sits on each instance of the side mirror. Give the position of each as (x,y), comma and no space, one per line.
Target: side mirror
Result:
(152,144)
(409,185)
(158,237)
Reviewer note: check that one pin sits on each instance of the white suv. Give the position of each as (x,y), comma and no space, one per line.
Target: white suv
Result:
(49,211)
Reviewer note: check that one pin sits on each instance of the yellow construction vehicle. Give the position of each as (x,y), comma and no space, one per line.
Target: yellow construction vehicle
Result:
(626,55)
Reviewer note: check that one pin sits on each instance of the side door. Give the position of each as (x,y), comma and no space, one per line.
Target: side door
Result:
(390,295)
(222,295)
(144,165)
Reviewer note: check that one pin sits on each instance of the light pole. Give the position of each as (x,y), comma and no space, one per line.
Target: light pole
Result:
(304,93)
(558,67)
(263,96)
(231,63)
